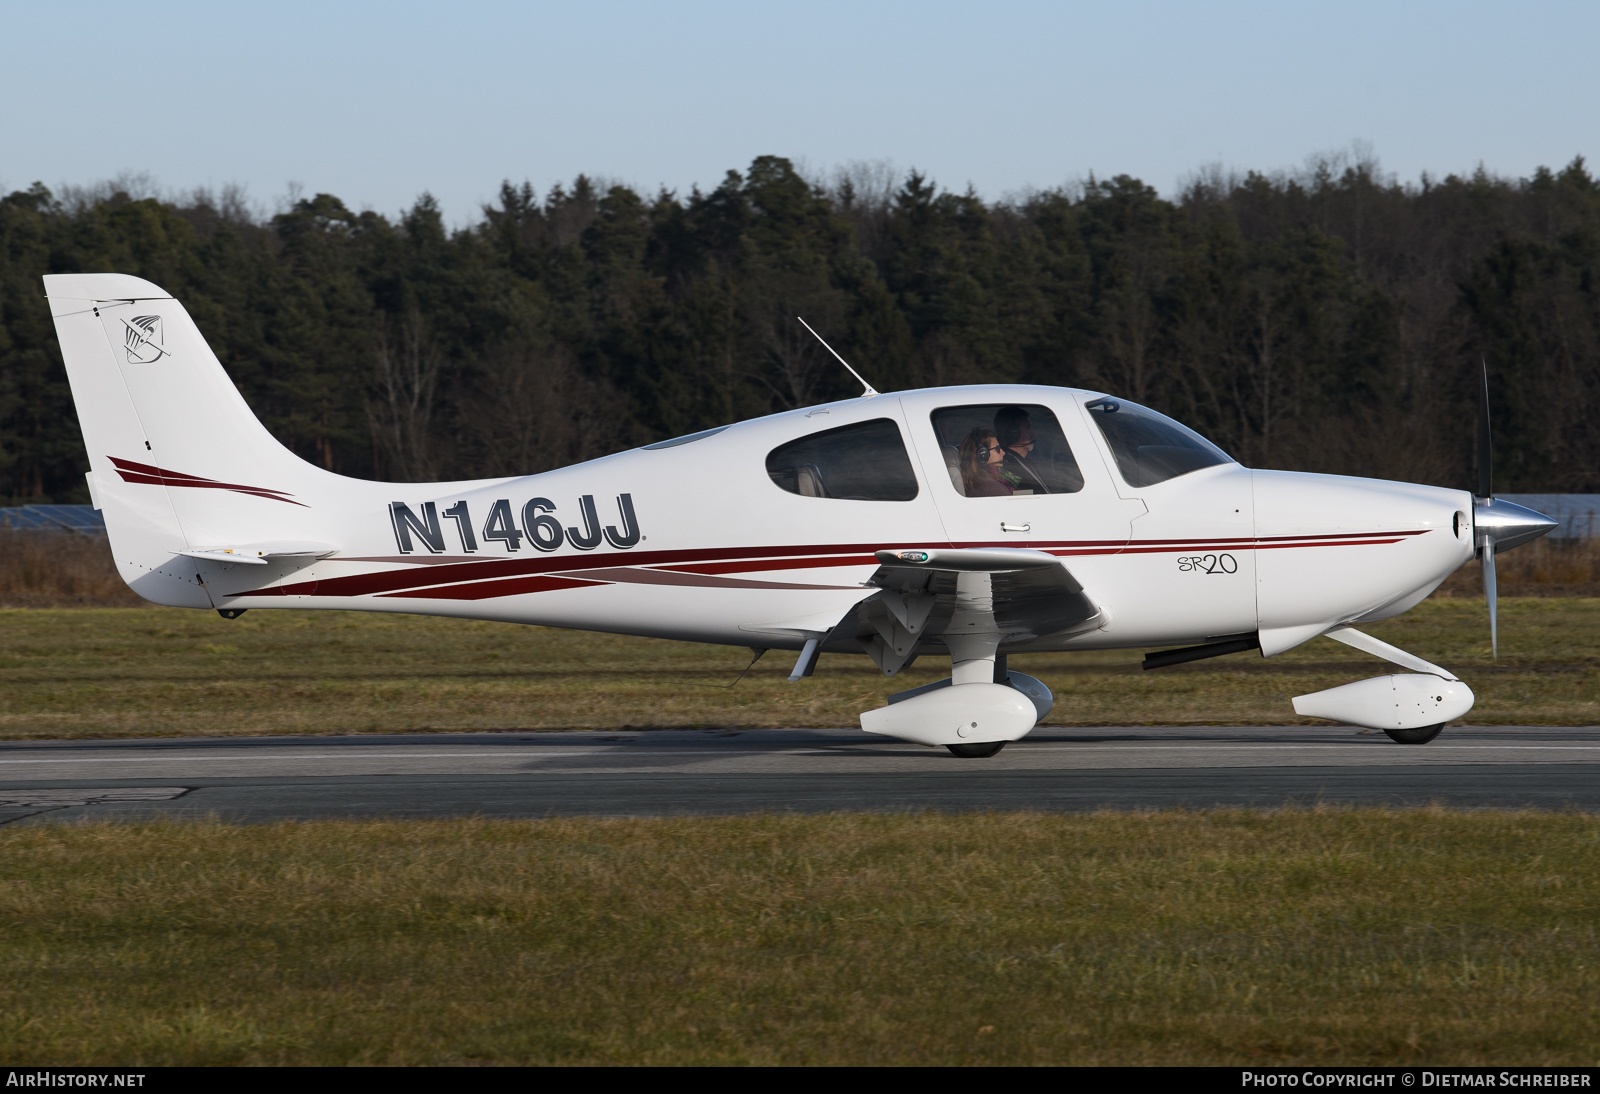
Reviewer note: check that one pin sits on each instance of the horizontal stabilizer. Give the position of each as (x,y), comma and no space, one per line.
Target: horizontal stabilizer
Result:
(225,556)
(259,554)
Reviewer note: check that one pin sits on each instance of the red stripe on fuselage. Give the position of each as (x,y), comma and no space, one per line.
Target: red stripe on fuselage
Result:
(437,578)
(482,569)
(750,566)
(486,590)
(1248,545)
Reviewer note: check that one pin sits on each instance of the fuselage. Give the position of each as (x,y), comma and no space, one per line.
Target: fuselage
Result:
(765,530)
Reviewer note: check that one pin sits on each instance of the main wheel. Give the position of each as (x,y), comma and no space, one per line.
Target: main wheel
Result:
(977,752)
(1415,736)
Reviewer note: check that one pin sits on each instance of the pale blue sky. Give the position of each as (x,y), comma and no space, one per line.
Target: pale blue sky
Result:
(378,102)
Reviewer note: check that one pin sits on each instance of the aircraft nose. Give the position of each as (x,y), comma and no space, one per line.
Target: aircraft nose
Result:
(1510,524)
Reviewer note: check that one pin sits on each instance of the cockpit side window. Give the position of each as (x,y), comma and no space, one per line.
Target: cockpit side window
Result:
(1150,447)
(1005,450)
(866,461)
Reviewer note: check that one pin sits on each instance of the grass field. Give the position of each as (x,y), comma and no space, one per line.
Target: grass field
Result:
(1329,936)
(104,672)
(1367,937)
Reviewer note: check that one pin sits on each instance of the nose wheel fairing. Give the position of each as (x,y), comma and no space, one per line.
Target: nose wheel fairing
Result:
(1405,701)
(1410,707)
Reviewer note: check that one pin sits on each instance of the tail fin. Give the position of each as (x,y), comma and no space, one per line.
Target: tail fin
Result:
(178,462)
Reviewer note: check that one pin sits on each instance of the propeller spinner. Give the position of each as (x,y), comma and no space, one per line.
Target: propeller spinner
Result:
(1497,525)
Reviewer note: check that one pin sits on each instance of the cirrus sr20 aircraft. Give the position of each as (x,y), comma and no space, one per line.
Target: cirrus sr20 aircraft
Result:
(968,522)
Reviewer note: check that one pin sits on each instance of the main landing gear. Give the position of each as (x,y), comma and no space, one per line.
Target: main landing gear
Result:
(1419,736)
(977,752)
(983,704)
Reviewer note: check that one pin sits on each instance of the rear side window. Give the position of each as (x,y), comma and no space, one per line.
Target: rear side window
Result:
(862,462)
(1150,447)
(1005,450)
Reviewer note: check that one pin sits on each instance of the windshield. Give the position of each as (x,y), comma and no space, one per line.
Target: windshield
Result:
(1150,447)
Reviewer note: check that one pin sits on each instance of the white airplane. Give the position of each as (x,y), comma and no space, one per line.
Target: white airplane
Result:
(972,522)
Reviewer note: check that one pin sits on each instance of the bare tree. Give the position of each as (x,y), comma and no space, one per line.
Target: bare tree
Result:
(533,409)
(863,193)
(400,407)
(796,369)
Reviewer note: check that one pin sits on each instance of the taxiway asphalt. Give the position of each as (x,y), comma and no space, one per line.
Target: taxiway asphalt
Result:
(657,773)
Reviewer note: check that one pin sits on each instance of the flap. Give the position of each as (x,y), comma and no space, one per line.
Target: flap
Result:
(797,630)
(1031,594)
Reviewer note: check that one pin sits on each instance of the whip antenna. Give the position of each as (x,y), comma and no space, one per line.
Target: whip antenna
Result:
(867,389)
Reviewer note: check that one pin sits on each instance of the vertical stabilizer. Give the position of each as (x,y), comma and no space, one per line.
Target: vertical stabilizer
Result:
(177,459)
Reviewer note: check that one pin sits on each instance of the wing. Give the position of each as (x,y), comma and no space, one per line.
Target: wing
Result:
(925,595)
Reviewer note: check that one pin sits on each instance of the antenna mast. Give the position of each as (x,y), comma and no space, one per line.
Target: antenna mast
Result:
(867,389)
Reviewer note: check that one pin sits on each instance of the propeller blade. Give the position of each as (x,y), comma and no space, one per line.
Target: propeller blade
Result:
(1497,523)
(1491,593)
(1485,446)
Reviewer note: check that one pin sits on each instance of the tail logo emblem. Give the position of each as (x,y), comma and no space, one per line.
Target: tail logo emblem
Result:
(141,339)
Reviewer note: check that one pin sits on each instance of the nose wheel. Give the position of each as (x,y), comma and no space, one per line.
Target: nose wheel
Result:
(1419,736)
(977,752)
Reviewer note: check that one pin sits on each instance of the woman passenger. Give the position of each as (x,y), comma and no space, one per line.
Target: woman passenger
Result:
(982,460)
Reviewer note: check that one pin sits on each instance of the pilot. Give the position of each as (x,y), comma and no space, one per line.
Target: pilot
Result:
(1016,437)
(982,460)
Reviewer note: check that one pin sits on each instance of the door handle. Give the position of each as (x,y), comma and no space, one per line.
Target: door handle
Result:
(1006,526)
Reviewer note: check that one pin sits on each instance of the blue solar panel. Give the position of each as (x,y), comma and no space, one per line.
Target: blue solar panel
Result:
(54,518)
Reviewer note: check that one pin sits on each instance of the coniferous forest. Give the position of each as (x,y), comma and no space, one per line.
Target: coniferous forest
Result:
(1329,319)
